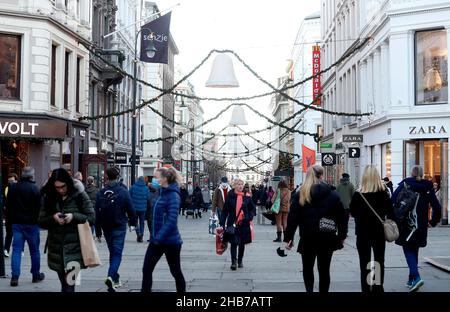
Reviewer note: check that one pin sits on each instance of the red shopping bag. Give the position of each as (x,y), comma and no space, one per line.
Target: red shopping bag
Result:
(220,245)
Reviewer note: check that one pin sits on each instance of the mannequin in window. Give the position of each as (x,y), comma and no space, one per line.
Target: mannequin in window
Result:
(432,82)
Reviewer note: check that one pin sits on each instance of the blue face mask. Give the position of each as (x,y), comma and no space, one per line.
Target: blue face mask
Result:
(155,183)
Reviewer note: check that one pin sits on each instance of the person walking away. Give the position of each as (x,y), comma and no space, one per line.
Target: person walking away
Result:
(206,198)
(319,213)
(237,212)
(12,179)
(219,197)
(197,201)
(255,195)
(413,220)
(140,195)
(184,195)
(64,206)
(154,193)
(282,215)
(369,230)
(114,209)
(23,202)
(91,190)
(165,237)
(389,185)
(346,190)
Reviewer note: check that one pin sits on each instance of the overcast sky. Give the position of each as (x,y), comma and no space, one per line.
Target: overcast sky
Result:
(261,32)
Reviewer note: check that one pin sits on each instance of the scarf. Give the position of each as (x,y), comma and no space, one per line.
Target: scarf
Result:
(240,199)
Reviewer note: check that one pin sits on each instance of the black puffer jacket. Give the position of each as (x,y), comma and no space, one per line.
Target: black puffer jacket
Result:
(325,204)
(23,202)
(63,240)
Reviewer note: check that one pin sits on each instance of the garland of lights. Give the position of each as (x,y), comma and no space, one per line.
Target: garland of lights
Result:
(275,90)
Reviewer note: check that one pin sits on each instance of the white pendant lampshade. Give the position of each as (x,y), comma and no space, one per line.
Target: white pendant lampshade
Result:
(238,117)
(222,73)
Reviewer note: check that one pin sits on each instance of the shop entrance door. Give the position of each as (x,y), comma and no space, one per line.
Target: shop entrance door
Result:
(94,165)
(432,155)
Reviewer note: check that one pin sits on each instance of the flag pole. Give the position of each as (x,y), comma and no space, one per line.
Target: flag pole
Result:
(143,19)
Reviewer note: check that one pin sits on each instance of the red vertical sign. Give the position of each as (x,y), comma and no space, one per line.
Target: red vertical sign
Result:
(316,70)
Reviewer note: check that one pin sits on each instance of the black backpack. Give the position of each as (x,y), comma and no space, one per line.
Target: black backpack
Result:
(405,208)
(109,212)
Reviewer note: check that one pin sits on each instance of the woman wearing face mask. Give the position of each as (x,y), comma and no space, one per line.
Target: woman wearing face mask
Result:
(154,188)
(238,211)
(165,237)
(65,205)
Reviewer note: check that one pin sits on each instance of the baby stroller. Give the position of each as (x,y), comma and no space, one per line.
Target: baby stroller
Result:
(193,210)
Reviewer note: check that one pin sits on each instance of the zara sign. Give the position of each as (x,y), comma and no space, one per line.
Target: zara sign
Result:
(427,130)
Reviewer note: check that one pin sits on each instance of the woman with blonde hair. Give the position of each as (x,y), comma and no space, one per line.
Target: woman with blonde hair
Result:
(238,212)
(369,230)
(165,237)
(318,211)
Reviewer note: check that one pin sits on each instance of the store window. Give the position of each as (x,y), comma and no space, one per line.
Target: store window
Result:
(386,160)
(431,67)
(9,66)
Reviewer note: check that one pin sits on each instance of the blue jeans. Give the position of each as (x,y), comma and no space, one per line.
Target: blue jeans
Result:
(30,234)
(115,239)
(412,258)
(141,222)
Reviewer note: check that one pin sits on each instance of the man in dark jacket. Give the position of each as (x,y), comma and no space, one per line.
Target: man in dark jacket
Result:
(23,204)
(12,179)
(346,190)
(140,195)
(413,235)
(113,208)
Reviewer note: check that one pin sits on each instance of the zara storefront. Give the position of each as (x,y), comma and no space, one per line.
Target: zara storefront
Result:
(409,141)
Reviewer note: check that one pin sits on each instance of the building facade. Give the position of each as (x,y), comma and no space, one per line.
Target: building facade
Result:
(44,78)
(308,37)
(400,76)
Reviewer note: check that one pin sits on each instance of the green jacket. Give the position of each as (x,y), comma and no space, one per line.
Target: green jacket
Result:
(63,240)
(346,191)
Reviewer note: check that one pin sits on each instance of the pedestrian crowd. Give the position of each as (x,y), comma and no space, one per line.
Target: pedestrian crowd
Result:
(319,210)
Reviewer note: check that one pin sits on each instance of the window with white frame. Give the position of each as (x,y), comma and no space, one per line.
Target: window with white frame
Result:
(431,67)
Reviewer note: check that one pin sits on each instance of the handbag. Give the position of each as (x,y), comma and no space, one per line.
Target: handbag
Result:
(231,230)
(391,232)
(327,225)
(89,251)
(276,204)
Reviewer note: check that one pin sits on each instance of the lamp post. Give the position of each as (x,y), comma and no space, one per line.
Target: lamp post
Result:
(150,50)
(191,126)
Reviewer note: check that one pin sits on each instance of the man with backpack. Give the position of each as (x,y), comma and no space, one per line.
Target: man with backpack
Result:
(411,201)
(114,209)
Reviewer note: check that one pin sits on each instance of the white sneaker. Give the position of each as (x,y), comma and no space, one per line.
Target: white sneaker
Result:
(6,253)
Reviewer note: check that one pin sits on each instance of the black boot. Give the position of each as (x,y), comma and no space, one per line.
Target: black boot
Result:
(233,265)
(278,240)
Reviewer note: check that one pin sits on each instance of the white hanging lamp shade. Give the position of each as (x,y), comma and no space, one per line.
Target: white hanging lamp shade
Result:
(238,117)
(222,73)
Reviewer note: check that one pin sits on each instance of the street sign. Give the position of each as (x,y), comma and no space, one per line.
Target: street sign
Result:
(352,138)
(354,152)
(328,159)
(110,157)
(326,145)
(120,158)
(138,159)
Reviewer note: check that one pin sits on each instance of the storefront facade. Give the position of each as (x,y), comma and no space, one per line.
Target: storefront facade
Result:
(397,145)
(40,141)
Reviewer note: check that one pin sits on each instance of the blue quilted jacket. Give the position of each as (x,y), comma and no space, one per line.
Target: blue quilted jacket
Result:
(165,217)
(140,194)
